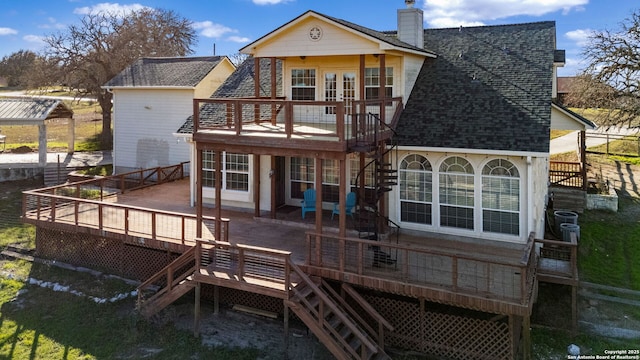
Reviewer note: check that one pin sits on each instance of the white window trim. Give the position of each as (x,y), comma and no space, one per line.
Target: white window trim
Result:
(232,195)
(477,232)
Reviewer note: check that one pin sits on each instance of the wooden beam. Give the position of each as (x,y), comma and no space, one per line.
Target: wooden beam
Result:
(198,192)
(318,186)
(273,178)
(342,196)
(196,312)
(218,171)
(256,185)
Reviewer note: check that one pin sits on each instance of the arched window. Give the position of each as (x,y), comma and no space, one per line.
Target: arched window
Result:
(416,192)
(456,193)
(501,197)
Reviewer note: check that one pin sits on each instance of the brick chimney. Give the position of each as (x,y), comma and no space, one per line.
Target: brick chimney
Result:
(410,25)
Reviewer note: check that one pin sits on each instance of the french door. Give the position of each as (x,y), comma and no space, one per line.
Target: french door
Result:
(339,86)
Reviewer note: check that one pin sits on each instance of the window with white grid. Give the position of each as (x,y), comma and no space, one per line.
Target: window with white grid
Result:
(416,189)
(501,197)
(303,84)
(372,83)
(235,171)
(456,193)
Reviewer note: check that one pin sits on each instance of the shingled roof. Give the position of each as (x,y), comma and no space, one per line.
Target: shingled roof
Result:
(31,111)
(165,72)
(239,84)
(489,88)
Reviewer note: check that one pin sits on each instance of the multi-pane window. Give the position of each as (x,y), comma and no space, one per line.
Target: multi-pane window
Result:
(456,193)
(372,83)
(501,197)
(303,84)
(303,178)
(416,190)
(235,171)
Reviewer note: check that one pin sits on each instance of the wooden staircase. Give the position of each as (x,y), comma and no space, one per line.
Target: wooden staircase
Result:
(177,280)
(334,320)
(336,324)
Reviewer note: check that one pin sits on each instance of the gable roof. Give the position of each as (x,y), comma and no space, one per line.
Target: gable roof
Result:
(582,121)
(165,72)
(31,111)
(376,36)
(489,88)
(239,84)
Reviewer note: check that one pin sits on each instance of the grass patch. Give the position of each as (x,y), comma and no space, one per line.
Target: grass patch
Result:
(610,247)
(102,170)
(559,133)
(12,230)
(38,323)
(552,344)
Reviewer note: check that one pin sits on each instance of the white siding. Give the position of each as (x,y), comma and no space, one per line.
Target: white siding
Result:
(144,122)
(539,179)
(412,66)
(334,41)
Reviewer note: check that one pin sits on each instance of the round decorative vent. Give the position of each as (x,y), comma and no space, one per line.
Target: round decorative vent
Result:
(315,33)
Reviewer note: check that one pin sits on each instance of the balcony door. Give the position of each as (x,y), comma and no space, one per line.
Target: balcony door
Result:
(339,86)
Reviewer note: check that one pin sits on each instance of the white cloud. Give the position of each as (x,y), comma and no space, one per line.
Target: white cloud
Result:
(52,24)
(7,31)
(110,8)
(33,39)
(453,13)
(238,39)
(270,2)
(580,36)
(212,30)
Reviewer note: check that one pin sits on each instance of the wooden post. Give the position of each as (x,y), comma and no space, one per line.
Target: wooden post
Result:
(256,185)
(71,135)
(583,159)
(218,170)
(198,192)
(42,145)
(342,196)
(216,299)
(286,331)
(196,312)
(526,337)
(318,185)
(273,179)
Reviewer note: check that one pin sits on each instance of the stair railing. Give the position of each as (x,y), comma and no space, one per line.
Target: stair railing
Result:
(320,322)
(170,276)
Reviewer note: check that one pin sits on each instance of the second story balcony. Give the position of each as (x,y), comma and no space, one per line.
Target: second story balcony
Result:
(281,123)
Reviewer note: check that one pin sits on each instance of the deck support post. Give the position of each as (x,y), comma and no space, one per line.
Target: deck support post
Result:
(574,309)
(526,337)
(342,193)
(196,312)
(256,185)
(286,331)
(218,211)
(318,186)
(216,299)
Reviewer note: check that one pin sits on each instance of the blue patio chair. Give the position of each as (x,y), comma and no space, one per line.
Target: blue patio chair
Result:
(309,202)
(351,204)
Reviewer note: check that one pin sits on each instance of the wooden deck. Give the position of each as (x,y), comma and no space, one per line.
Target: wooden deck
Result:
(493,276)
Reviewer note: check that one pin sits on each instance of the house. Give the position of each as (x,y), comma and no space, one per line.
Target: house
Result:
(151,99)
(442,134)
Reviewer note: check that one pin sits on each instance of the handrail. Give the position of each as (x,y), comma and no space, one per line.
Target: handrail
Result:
(64,209)
(122,182)
(326,301)
(169,272)
(381,321)
(354,260)
(569,247)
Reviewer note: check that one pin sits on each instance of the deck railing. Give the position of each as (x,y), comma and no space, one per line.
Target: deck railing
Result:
(565,173)
(466,274)
(242,262)
(327,120)
(559,258)
(121,219)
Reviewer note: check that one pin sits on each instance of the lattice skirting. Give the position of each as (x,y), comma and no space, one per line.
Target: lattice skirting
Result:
(443,331)
(100,253)
(437,330)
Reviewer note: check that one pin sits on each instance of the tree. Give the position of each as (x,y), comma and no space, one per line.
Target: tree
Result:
(611,80)
(17,66)
(103,44)
(238,58)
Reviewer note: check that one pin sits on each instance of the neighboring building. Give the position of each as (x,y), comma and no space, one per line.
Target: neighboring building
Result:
(151,99)
(564,88)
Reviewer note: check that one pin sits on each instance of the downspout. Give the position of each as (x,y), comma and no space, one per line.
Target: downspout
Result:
(530,190)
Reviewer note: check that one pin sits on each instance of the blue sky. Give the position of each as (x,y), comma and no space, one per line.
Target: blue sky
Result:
(229,24)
